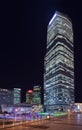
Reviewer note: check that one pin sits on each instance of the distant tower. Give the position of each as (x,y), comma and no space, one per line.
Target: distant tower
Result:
(37,95)
(17,95)
(6,96)
(59,63)
(29,97)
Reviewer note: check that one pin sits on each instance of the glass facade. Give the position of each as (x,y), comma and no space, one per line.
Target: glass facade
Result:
(34,97)
(29,97)
(6,96)
(59,63)
(17,95)
(37,95)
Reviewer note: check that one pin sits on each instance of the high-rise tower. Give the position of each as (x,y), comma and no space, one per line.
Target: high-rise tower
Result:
(29,97)
(17,95)
(37,95)
(59,63)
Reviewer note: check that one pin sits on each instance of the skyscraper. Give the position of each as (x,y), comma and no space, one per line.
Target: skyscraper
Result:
(59,63)
(6,96)
(17,95)
(10,96)
(37,95)
(29,97)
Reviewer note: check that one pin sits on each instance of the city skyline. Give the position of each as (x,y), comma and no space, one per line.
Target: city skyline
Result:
(23,41)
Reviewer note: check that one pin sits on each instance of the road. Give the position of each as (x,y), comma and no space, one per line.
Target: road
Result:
(70,122)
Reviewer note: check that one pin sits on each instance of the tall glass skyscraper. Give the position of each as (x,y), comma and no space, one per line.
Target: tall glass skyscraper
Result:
(6,96)
(59,63)
(17,95)
(29,97)
(37,95)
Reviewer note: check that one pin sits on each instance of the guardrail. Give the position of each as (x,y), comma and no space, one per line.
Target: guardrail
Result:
(5,123)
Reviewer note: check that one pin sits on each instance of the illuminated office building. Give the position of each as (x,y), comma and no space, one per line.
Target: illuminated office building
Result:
(59,63)
(6,96)
(17,95)
(37,95)
(29,97)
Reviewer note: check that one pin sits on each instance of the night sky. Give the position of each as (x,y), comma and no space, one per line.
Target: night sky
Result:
(23,34)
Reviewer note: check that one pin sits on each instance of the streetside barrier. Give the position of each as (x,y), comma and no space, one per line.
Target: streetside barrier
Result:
(21,121)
